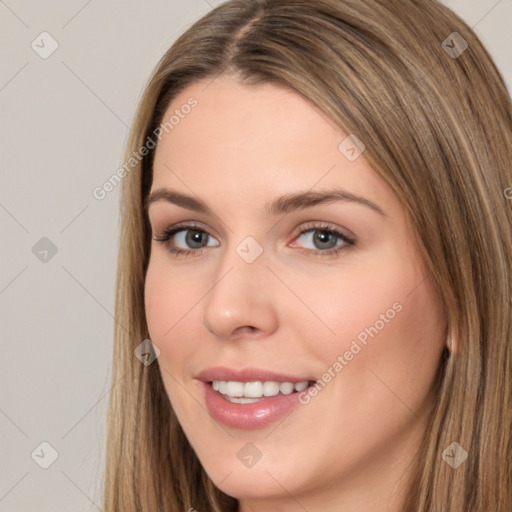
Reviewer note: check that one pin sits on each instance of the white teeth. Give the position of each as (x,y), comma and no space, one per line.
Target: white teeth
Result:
(222,385)
(270,388)
(286,388)
(241,400)
(301,386)
(255,389)
(235,388)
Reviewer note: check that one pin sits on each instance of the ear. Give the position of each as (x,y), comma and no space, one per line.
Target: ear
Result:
(450,344)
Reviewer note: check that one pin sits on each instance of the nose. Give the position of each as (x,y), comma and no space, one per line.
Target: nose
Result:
(242,302)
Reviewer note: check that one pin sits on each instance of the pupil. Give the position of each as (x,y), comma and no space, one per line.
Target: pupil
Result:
(323,237)
(194,237)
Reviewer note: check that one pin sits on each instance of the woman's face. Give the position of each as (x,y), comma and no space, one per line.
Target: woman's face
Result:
(279,287)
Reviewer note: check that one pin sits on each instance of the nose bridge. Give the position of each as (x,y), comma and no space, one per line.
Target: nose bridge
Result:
(240,295)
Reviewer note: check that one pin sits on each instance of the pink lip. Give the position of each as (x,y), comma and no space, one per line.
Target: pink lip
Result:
(248,416)
(248,375)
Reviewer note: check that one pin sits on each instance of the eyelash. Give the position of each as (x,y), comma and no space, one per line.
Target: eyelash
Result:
(167,234)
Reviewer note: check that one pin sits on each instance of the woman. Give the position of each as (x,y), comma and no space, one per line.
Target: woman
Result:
(314,288)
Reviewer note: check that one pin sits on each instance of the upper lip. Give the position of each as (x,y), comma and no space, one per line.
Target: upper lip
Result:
(248,375)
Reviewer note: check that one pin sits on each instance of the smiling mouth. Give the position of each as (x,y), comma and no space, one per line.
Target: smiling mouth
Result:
(256,391)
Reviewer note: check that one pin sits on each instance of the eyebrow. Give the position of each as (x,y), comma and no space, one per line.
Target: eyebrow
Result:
(279,206)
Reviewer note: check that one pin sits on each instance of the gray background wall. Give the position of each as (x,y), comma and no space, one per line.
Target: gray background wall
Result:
(64,122)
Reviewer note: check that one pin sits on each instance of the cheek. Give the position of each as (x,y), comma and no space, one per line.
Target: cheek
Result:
(350,304)
(169,298)
(174,300)
(170,306)
(385,334)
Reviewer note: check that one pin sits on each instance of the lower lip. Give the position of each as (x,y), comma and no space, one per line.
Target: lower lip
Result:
(249,416)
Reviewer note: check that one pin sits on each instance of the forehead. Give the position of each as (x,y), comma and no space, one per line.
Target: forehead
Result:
(237,119)
(254,141)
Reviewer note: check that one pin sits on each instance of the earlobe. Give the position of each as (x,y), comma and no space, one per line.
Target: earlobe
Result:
(449,344)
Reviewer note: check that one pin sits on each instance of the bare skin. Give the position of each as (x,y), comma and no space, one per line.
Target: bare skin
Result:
(293,310)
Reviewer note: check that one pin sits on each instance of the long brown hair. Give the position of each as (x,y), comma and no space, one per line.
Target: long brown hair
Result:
(412,81)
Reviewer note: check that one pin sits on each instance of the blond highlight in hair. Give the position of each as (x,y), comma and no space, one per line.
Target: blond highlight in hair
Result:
(438,130)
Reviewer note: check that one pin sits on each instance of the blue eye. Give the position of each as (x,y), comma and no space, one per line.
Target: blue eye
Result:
(327,240)
(185,234)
